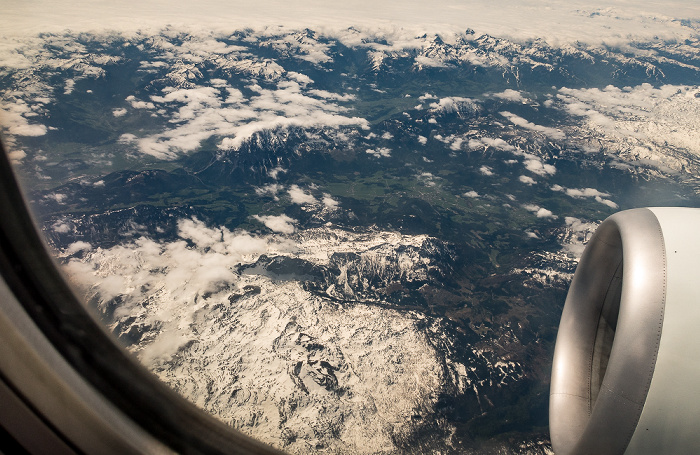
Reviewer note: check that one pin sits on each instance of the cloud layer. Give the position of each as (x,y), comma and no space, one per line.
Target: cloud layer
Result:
(560,21)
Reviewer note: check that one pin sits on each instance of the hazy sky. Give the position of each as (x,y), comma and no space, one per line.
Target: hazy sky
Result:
(557,21)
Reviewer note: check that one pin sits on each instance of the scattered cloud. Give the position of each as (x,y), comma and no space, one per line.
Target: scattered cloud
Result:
(300,196)
(487,142)
(14,118)
(427,178)
(486,170)
(69,86)
(272,189)
(381,152)
(511,95)
(137,104)
(553,133)
(456,143)
(217,111)
(280,223)
(76,247)
(526,179)
(539,212)
(178,272)
(16,156)
(423,61)
(535,165)
(58,197)
(580,193)
(61,227)
(329,202)
(276,171)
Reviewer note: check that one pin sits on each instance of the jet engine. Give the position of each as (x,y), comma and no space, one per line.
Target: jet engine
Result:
(626,372)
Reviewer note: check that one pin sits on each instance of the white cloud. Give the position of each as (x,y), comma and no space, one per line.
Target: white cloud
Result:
(536,166)
(471,194)
(300,78)
(387,135)
(486,170)
(179,272)
(271,189)
(14,119)
(580,226)
(119,112)
(526,179)
(579,193)
(58,197)
(69,86)
(381,152)
(607,202)
(456,143)
(497,143)
(332,96)
(423,140)
(510,95)
(539,212)
(300,196)
(77,246)
(519,121)
(61,227)
(423,61)
(275,172)
(329,202)
(427,178)
(138,104)
(16,156)
(281,223)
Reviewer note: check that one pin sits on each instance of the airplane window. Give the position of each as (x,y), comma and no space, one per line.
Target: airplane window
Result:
(346,229)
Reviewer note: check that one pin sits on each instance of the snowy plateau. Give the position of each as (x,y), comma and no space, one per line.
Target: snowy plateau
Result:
(275,360)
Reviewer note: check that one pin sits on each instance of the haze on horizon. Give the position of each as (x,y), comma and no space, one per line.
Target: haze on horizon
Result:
(594,22)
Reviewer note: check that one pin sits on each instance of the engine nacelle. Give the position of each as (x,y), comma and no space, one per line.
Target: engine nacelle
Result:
(626,372)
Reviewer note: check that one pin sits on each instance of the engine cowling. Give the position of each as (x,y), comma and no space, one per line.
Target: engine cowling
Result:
(626,371)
